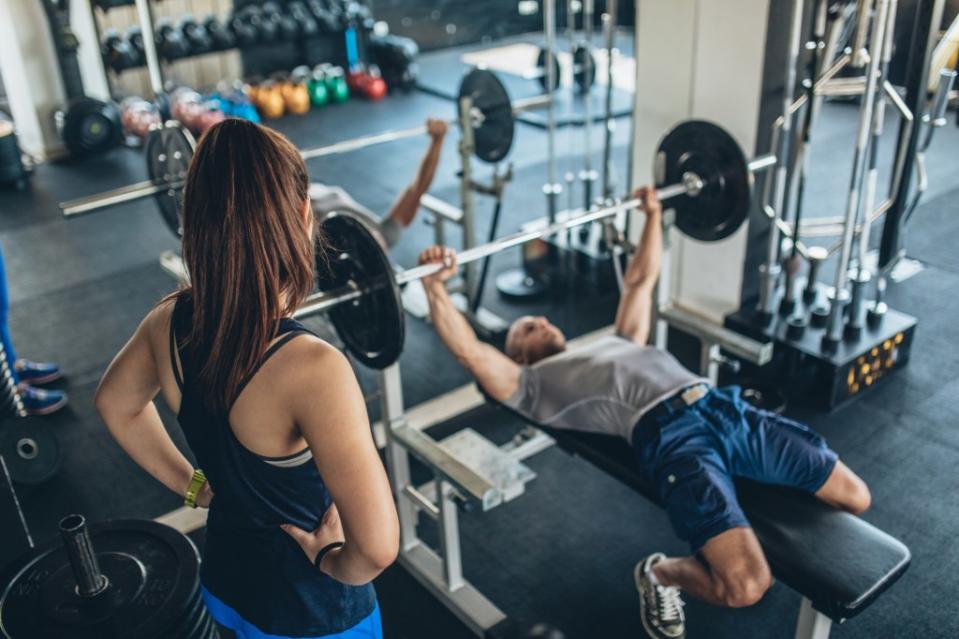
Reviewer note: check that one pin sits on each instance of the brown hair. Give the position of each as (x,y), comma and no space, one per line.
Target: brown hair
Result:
(244,246)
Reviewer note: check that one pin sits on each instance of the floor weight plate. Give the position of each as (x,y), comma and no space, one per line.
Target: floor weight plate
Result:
(153,573)
(169,150)
(31,449)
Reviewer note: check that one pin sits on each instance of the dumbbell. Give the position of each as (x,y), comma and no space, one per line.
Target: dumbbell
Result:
(195,35)
(244,33)
(171,43)
(266,21)
(287,29)
(117,51)
(135,37)
(326,20)
(302,16)
(221,37)
(335,81)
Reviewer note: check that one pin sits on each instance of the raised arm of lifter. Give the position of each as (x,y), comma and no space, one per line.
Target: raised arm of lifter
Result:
(636,304)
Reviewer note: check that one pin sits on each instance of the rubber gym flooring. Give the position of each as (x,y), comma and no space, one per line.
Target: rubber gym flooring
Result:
(563,552)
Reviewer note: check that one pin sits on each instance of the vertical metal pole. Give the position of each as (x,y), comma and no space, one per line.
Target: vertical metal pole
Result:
(928,13)
(859,57)
(814,50)
(862,275)
(145,15)
(709,362)
(397,458)
(588,175)
(609,33)
(467,203)
(770,270)
(663,294)
(449,535)
(552,188)
(812,624)
(854,203)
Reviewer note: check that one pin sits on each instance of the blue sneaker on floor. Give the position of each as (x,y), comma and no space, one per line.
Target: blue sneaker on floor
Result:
(36,372)
(39,401)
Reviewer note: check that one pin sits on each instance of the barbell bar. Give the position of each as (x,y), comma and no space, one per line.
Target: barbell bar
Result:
(692,185)
(147,188)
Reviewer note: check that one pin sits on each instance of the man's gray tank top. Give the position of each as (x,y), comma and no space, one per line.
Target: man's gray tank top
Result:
(602,387)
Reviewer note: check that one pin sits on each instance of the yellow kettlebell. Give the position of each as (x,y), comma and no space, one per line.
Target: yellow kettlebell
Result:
(296,97)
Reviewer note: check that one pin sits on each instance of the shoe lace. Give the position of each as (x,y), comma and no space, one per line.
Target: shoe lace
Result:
(670,603)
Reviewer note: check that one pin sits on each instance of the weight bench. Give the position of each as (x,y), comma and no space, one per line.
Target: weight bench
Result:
(838,562)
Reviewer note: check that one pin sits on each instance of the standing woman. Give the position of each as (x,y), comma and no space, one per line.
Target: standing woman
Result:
(273,414)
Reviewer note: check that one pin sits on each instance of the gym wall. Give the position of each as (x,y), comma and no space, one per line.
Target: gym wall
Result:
(699,59)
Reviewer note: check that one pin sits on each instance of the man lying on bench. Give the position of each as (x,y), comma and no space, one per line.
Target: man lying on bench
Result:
(689,439)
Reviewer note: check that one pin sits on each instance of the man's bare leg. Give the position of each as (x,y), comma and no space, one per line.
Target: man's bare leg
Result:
(846,490)
(735,575)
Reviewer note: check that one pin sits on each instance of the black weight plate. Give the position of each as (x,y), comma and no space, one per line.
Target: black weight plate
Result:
(169,150)
(541,70)
(31,449)
(91,126)
(154,579)
(707,150)
(372,326)
(584,77)
(494,137)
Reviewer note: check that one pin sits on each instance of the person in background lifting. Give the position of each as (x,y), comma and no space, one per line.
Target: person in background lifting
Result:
(389,229)
(301,515)
(689,438)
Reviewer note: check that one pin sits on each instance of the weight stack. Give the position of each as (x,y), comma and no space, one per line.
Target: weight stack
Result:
(121,579)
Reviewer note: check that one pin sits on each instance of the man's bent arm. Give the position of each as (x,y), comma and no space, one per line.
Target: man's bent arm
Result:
(636,304)
(408,203)
(494,371)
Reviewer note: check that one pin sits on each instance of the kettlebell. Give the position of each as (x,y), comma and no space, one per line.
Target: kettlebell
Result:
(296,98)
(269,100)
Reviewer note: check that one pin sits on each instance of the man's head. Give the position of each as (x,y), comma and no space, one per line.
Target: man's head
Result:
(531,339)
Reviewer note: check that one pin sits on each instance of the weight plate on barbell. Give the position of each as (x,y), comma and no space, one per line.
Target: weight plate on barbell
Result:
(541,70)
(31,449)
(585,78)
(153,572)
(169,149)
(371,326)
(723,203)
(493,137)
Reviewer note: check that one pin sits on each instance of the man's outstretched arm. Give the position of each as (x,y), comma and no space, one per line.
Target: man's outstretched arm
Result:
(408,203)
(639,281)
(494,371)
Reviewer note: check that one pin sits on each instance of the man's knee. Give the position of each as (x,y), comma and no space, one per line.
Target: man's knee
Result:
(744,586)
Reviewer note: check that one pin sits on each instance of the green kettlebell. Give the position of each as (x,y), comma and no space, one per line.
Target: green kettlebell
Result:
(336,84)
(319,94)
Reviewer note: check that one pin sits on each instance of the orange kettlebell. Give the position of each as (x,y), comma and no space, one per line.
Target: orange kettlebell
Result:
(296,97)
(270,100)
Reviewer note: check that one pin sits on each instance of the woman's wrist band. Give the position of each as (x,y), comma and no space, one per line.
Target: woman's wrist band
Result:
(196,483)
(324,550)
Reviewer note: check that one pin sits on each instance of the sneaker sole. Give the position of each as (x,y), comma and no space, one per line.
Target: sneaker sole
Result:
(52,408)
(43,379)
(637,577)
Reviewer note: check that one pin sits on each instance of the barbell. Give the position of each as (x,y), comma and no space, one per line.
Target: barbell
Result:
(700,170)
(169,148)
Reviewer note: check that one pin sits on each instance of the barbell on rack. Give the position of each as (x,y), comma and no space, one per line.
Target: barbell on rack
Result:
(169,148)
(700,170)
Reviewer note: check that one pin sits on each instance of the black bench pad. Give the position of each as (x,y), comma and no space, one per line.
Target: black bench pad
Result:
(838,561)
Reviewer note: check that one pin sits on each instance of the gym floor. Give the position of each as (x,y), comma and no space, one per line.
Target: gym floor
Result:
(564,552)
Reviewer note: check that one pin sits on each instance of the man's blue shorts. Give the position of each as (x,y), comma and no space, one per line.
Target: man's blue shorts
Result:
(691,454)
